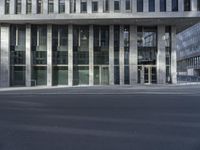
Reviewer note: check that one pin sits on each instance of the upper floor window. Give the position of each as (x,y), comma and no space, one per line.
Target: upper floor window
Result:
(50,6)
(61,6)
(7,6)
(187,5)
(198,5)
(106,5)
(72,6)
(94,6)
(117,5)
(162,5)
(39,6)
(18,6)
(128,5)
(140,5)
(174,5)
(151,5)
(83,6)
(28,6)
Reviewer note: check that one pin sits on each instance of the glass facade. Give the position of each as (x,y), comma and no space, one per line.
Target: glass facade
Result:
(147,54)
(17,55)
(39,54)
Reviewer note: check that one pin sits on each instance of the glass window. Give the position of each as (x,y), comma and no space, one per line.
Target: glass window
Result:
(151,5)
(198,5)
(28,6)
(61,6)
(116,5)
(128,4)
(18,6)
(187,5)
(50,6)
(174,5)
(7,6)
(162,5)
(139,5)
(83,6)
(39,6)
(72,6)
(106,5)
(94,6)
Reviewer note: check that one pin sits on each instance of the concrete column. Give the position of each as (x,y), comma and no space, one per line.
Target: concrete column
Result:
(49,55)
(169,5)
(23,7)
(12,7)
(133,56)
(5,56)
(70,55)
(157,5)
(146,5)
(111,6)
(134,6)
(194,5)
(161,56)
(45,7)
(111,55)
(173,55)
(56,6)
(122,4)
(100,3)
(121,55)
(28,55)
(34,7)
(180,5)
(91,55)
(2,7)
(67,7)
(78,6)
(89,6)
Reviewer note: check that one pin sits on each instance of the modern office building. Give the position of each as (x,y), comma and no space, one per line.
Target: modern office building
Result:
(188,51)
(91,42)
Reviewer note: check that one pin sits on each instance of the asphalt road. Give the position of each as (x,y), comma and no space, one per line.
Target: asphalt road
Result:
(141,120)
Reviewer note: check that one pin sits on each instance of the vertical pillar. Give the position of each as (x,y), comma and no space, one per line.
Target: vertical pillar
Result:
(157,5)
(56,6)
(133,57)
(91,56)
(122,6)
(146,5)
(5,56)
(169,5)
(111,6)
(70,55)
(28,55)
(45,7)
(173,55)
(12,7)
(49,55)
(100,3)
(161,56)
(111,55)
(134,6)
(67,6)
(2,7)
(34,6)
(23,7)
(180,5)
(78,6)
(121,55)
(194,5)
(89,6)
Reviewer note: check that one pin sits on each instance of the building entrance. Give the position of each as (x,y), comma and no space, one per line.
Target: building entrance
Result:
(147,74)
(101,75)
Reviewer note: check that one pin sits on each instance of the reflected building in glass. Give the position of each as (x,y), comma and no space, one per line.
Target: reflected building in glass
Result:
(91,42)
(188,51)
